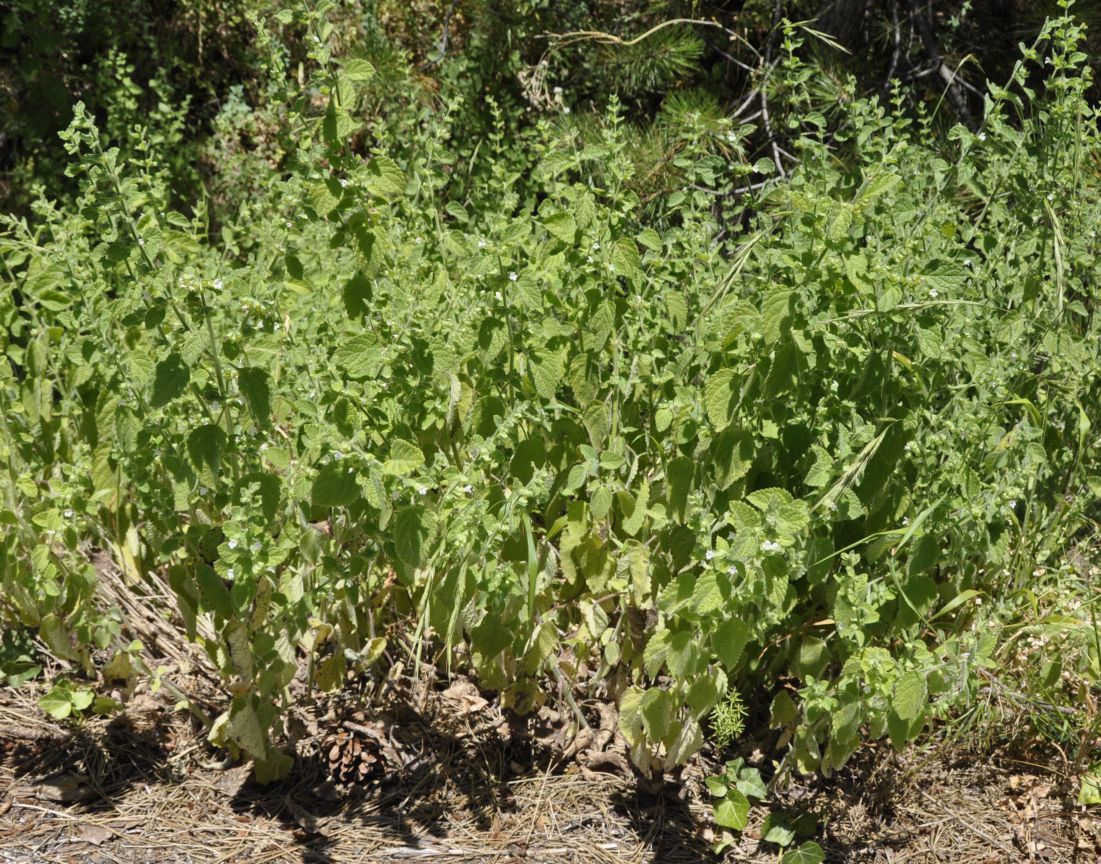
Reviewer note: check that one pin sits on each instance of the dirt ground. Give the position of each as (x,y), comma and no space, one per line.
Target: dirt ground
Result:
(449,778)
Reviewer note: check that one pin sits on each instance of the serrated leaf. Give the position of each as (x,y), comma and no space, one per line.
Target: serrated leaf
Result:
(384,178)
(561,226)
(414,528)
(405,458)
(253,384)
(547,370)
(775,313)
(728,641)
(359,357)
(358,70)
(910,696)
(656,710)
(721,397)
(170,380)
(625,258)
(334,486)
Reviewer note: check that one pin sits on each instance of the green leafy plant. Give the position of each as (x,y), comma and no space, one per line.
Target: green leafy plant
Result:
(505,414)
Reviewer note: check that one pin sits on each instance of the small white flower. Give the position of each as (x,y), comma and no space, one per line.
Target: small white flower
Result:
(1013,504)
(68,513)
(141,241)
(731,137)
(982,136)
(557,91)
(589,258)
(263,447)
(229,573)
(498,295)
(933,293)
(978,601)
(512,277)
(343,183)
(482,244)
(337,454)
(967,262)
(422,490)
(611,268)
(418,239)
(1050,197)
(770,546)
(710,554)
(905,520)
(732,570)
(232,544)
(288,223)
(468,489)
(596,246)
(256,546)
(217,284)
(203,490)
(566,110)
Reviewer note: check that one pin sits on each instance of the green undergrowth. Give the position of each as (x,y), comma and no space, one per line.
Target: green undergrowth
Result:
(501,413)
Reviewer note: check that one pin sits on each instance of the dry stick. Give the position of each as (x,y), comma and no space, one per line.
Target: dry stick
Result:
(932,50)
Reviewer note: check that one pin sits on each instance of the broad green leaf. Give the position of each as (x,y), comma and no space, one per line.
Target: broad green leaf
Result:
(561,226)
(57,703)
(1089,791)
(253,384)
(910,695)
(656,709)
(359,357)
(728,640)
(732,811)
(384,178)
(777,829)
(721,397)
(775,313)
(358,70)
(547,371)
(414,529)
(625,258)
(334,486)
(170,380)
(405,458)
(807,853)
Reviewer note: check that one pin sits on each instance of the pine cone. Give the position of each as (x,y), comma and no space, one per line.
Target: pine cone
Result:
(353,757)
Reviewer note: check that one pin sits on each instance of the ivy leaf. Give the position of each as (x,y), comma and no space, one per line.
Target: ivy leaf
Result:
(732,811)
(808,853)
(777,829)
(170,380)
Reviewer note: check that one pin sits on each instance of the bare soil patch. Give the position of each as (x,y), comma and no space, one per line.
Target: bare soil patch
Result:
(452,778)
